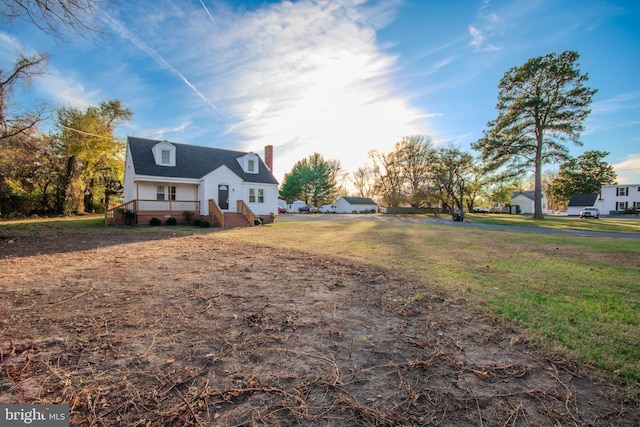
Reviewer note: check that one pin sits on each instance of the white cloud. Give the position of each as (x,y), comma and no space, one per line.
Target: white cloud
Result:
(160,60)
(628,170)
(486,26)
(305,77)
(65,89)
(162,132)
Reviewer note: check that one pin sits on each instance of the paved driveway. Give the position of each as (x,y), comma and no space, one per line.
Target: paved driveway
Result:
(446,220)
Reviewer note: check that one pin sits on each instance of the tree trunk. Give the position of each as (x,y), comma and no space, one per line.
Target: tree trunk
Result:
(537,201)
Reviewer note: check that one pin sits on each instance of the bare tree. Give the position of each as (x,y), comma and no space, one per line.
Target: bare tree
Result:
(54,16)
(415,154)
(364,181)
(14,120)
(387,172)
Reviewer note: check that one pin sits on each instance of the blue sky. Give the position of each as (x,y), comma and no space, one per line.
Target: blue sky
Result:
(338,77)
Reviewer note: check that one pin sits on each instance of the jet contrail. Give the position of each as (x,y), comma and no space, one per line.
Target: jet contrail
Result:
(207,10)
(116,25)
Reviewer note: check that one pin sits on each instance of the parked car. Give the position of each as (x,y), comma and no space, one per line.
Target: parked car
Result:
(328,209)
(281,210)
(590,213)
(307,209)
(480,210)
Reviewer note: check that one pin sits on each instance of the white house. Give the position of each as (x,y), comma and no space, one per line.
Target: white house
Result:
(619,198)
(166,179)
(526,201)
(356,205)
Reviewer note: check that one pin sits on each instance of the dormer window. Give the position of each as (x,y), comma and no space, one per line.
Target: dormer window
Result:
(250,163)
(166,157)
(164,153)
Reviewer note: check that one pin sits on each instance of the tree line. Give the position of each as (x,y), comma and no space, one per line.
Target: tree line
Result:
(541,106)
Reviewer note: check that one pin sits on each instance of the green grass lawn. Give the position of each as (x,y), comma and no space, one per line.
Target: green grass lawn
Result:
(625,224)
(571,295)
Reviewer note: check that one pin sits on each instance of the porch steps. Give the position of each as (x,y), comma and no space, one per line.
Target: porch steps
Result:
(234,219)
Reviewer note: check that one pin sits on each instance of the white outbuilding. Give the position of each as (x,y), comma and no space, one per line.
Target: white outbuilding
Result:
(356,205)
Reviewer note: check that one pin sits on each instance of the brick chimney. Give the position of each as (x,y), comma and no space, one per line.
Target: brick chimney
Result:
(268,156)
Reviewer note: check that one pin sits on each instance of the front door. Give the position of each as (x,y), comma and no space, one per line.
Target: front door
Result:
(223,196)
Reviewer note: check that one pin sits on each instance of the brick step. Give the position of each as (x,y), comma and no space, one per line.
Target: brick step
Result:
(233,219)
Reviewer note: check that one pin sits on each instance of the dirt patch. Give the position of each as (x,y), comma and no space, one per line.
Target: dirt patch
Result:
(155,329)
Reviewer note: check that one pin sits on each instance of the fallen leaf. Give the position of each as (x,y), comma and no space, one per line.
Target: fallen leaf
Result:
(172,360)
(480,374)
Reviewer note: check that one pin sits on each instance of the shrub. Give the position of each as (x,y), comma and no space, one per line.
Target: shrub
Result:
(155,221)
(205,224)
(188,215)
(257,221)
(130,217)
(197,222)
(172,221)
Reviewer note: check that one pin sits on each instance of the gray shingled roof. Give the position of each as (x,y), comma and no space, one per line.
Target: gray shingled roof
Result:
(359,201)
(583,200)
(193,161)
(529,194)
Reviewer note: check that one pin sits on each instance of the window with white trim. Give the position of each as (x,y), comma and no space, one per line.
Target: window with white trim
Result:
(166,157)
(251,165)
(620,206)
(160,192)
(622,191)
(260,195)
(173,192)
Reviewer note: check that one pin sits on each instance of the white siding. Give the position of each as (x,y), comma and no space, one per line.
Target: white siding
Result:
(129,173)
(525,203)
(270,203)
(610,198)
(222,176)
(342,206)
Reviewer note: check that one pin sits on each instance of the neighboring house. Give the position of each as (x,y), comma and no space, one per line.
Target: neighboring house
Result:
(581,201)
(356,205)
(525,202)
(619,198)
(165,179)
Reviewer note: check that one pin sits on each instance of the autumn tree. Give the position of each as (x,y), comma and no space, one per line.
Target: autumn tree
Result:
(452,172)
(585,174)
(313,180)
(477,185)
(541,105)
(27,173)
(91,156)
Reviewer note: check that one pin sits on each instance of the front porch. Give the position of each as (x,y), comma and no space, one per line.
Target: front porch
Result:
(141,211)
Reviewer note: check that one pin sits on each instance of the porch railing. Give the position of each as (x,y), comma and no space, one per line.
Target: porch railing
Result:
(127,212)
(246,211)
(215,213)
